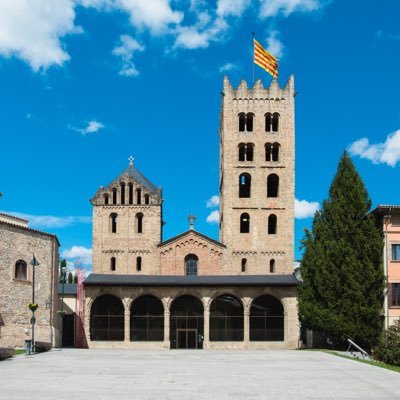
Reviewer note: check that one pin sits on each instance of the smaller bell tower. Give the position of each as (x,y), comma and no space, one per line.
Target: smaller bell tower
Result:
(127,225)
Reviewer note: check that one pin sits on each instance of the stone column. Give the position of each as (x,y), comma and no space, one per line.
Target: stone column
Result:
(127,320)
(246,326)
(206,341)
(166,328)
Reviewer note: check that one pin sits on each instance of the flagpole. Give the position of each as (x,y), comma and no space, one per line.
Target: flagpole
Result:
(252,35)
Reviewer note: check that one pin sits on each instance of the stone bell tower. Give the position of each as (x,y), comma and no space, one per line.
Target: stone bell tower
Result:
(257,177)
(127,225)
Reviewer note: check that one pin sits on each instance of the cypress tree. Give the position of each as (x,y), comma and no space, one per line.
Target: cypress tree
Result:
(342,267)
(70,277)
(63,264)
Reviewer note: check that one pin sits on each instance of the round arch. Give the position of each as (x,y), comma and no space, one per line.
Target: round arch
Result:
(267,319)
(186,322)
(147,319)
(107,319)
(226,319)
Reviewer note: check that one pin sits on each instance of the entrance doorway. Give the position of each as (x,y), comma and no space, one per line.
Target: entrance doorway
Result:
(68,330)
(186,323)
(186,338)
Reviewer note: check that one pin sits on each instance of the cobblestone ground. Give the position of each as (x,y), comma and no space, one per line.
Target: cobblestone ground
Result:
(124,374)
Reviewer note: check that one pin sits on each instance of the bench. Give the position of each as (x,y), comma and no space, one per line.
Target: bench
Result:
(41,347)
(6,352)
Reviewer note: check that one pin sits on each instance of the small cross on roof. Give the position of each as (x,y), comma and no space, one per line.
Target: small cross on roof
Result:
(130,159)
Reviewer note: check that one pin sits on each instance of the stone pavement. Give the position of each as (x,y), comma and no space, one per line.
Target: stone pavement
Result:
(189,374)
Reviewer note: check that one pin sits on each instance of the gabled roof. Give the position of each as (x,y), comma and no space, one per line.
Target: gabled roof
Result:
(187,233)
(132,172)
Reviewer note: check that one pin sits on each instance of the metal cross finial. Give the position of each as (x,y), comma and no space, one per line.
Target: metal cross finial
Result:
(191,219)
(130,159)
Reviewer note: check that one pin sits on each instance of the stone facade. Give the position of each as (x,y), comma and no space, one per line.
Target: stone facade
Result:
(18,243)
(267,250)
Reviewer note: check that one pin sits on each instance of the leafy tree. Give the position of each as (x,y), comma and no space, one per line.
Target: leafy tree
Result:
(342,272)
(70,277)
(63,265)
(388,348)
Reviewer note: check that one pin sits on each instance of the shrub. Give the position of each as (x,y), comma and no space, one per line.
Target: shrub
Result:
(388,348)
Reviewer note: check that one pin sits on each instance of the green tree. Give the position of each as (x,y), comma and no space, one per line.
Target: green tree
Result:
(343,280)
(63,266)
(388,348)
(70,277)
(76,278)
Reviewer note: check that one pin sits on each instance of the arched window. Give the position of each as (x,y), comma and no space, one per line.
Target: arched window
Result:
(242,152)
(113,222)
(186,323)
(113,263)
(107,319)
(226,319)
(242,122)
(147,320)
(272,223)
(272,266)
(268,151)
(191,261)
(244,264)
(146,199)
(249,122)
(268,122)
(272,185)
(106,199)
(130,190)
(138,263)
(275,151)
(21,270)
(244,185)
(245,223)
(266,319)
(114,196)
(139,223)
(138,196)
(275,122)
(122,192)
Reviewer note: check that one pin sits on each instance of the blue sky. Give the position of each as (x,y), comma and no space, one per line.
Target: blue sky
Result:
(86,83)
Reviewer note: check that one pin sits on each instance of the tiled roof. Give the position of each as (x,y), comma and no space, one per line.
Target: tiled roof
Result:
(136,175)
(184,280)
(69,288)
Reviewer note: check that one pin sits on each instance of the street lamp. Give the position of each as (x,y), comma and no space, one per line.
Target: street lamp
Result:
(34,263)
(61,313)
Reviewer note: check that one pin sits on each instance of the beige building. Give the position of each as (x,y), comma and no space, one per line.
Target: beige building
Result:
(191,291)
(18,243)
(388,219)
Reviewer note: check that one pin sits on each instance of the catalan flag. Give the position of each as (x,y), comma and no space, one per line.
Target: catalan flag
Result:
(265,59)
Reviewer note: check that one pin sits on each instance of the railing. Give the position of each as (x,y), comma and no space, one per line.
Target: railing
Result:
(353,344)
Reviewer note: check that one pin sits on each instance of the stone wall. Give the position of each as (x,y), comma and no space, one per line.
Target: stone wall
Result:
(19,243)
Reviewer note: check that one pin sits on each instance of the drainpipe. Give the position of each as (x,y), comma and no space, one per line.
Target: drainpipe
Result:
(387,219)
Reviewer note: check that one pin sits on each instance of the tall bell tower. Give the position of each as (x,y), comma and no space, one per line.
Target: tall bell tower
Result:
(257,177)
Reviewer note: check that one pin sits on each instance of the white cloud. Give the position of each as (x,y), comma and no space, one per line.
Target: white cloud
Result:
(32,29)
(274,45)
(380,153)
(305,209)
(231,7)
(213,218)
(271,8)
(77,255)
(127,47)
(49,221)
(92,127)
(213,201)
(228,67)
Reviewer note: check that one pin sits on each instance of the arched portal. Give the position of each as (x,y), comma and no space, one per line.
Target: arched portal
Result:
(266,319)
(226,319)
(147,319)
(107,319)
(186,323)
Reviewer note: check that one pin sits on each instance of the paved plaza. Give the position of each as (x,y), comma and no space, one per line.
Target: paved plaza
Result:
(128,374)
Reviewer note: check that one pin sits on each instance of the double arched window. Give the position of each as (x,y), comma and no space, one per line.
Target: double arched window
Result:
(246,151)
(272,122)
(272,185)
(21,270)
(191,262)
(244,185)
(245,223)
(113,222)
(272,151)
(246,122)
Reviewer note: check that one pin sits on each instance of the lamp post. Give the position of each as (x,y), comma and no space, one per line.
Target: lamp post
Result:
(34,263)
(61,313)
